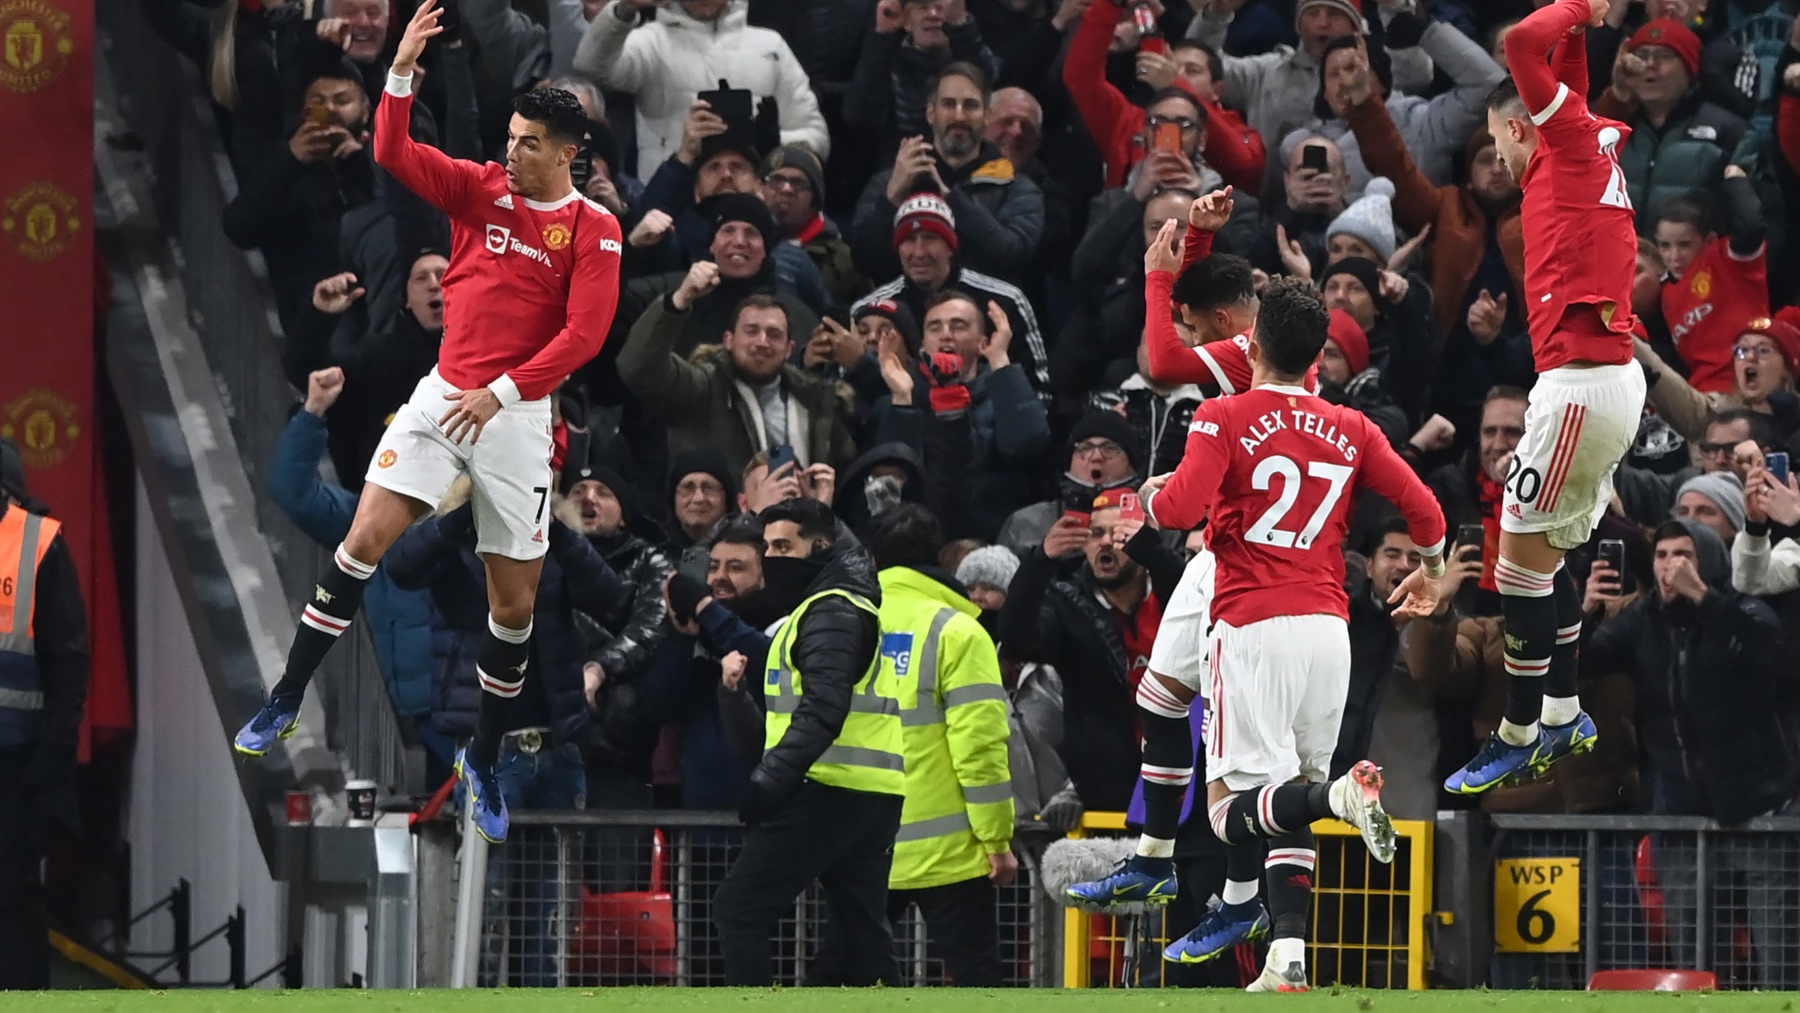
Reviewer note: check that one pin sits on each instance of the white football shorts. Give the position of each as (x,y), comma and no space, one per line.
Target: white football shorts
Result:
(1579,424)
(1275,698)
(1180,650)
(509,468)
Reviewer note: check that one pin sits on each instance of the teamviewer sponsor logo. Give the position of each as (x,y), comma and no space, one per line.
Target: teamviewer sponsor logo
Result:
(501,241)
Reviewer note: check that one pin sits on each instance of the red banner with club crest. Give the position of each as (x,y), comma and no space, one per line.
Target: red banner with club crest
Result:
(49,362)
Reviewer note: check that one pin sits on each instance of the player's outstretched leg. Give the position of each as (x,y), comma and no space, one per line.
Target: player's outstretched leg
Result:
(381,515)
(1292,858)
(1237,918)
(1276,810)
(1567,729)
(1168,768)
(1516,751)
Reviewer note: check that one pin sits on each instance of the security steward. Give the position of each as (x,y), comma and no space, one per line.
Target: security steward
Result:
(955,841)
(824,803)
(44,668)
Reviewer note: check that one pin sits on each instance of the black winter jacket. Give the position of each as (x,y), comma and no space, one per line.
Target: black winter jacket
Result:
(1706,687)
(438,555)
(833,648)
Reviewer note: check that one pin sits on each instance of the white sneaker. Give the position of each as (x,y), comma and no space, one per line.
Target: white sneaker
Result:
(1290,979)
(1356,799)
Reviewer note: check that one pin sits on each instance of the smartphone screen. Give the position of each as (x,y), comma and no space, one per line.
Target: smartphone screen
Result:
(1314,157)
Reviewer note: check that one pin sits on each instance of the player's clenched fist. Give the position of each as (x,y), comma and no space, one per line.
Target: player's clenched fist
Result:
(702,278)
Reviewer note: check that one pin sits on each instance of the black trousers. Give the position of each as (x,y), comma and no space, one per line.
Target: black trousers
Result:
(845,840)
(963,925)
(24,939)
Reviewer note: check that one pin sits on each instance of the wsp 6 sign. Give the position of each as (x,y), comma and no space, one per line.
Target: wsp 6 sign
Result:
(1537,905)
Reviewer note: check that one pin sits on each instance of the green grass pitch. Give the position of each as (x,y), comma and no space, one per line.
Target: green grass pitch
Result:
(885,1000)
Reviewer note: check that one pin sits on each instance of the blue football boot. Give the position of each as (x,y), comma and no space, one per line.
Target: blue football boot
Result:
(1499,762)
(1137,880)
(278,719)
(483,793)
(1223,927)
(1578,736)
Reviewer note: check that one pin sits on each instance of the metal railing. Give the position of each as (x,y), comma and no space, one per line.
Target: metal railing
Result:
(1663,892)
(231,310)
(1368,921)
(603,897)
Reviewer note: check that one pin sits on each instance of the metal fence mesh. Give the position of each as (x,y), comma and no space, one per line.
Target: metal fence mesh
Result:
(1667,894)
(592,899)
(1367,923)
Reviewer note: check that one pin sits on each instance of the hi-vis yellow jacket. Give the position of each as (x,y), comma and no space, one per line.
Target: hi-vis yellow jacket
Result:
(953,707)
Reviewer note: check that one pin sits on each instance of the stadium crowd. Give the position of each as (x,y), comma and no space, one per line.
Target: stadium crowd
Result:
(885,258)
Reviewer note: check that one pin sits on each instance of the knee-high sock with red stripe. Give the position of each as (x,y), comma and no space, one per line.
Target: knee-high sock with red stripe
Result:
(1271,811)
(1289,866)
(1562,701)
(1168,767)
(1528,604)
(500,665)
(335,600)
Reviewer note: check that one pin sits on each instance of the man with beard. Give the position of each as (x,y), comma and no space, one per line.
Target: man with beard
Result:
(380,369)
(738,261)
(1477,259)
(1104,453)
(748,399)
(1374,637)
(999,214)
(1470,489)
(1097,628)
(825,801)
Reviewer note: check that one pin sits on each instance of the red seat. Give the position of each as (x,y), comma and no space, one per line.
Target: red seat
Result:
(1650,898)
(1653,981)
(628,936)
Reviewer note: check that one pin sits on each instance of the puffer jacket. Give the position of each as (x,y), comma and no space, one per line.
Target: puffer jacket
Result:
(833,649)
(438,555)
(1706,679)
(707,407)
(1160,417)
(669,61)
(1689,152)
(887,93)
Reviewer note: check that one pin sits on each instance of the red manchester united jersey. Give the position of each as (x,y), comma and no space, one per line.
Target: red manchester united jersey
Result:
(1580,236)
(1276,469)
(532,286)
(1709,306)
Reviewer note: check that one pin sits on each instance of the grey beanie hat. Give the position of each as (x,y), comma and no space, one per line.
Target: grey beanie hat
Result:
(993,566)
(1723,488)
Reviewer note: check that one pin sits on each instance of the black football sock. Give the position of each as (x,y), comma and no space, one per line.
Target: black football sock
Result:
(1528,603)
(500,665)
(335,600)
(1292,857)
(1270,811)
(1168,767)
(1562,699)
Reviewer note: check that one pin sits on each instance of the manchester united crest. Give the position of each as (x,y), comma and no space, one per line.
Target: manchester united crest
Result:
(556,235)
(41,220)
(43,424)
(1703,284)
(34,44)
(387,459)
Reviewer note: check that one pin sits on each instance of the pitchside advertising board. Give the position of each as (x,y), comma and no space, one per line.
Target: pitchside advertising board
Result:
(1537,905)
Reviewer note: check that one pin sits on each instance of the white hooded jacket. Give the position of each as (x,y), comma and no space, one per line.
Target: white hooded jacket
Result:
(669,61)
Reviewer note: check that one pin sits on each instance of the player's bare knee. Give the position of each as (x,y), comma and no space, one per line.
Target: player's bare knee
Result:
(382,516)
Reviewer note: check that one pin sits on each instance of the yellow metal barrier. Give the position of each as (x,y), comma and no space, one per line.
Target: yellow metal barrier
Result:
(1368,922)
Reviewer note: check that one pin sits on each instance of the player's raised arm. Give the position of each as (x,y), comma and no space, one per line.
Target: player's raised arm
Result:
(1171,361)
(593,299)
(1185,499)
(1529,44)
(426,171)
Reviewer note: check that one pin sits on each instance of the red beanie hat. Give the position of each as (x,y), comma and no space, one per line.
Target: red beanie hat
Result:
(925,212)
(1672,34)
(1351,339)
(1784,333)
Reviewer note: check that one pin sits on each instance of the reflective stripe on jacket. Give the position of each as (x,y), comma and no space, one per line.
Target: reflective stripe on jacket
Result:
(867,754)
